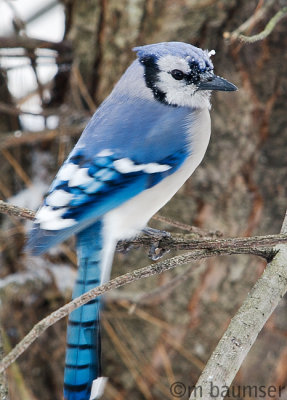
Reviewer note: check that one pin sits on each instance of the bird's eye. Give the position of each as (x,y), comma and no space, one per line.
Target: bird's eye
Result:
(177,74)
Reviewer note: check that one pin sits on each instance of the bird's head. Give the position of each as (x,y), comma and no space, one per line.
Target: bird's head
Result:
(180,74)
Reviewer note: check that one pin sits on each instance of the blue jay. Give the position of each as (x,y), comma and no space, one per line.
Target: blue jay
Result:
(141,145)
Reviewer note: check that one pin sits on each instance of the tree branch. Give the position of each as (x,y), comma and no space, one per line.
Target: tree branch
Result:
(267,30)
(256,245)
(16,211)
(255,18)
(33,43)
(245,326)
(122,280)
(17,138)
(12,110)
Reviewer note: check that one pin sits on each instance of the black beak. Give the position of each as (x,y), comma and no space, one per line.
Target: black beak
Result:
(217,83)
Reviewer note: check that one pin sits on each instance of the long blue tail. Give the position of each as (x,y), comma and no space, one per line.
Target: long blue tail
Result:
(83,354)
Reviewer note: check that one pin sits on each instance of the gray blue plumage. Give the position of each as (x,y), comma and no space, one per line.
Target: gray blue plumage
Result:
(140,146)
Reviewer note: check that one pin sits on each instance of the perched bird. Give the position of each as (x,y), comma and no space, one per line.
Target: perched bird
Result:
(141,145)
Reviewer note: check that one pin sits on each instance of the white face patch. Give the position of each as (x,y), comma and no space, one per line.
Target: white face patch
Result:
(169,62)
(178,92)
(182,92)
(125,166)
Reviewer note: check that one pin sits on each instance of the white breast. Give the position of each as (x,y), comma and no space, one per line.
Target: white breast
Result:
(131,217)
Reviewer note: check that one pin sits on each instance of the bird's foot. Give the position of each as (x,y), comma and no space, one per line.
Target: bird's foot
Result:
(156,251)
(156,233)
(124,247)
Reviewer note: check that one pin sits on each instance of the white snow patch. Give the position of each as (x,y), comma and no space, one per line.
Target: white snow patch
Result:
(38,268)
(64,276)
(21,278)
(30,197)
(21,77)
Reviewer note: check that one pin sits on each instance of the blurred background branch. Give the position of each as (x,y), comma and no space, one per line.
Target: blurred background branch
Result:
(255,18)
(3,381)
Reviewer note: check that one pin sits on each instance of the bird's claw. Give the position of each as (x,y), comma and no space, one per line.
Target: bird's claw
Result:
(156,251)
(156,233)
(124,247)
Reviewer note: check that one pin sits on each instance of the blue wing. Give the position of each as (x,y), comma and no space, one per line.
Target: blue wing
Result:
(94,188)
(125,149)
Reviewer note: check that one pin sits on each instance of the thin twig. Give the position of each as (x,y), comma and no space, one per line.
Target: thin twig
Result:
(18,23)
(16,211)
(83,89)
(256,245)
(160,293)
(12,110)
(42,11)
(186,227)
(250,22)
(16,376)
(17,138)
(268,28)
(33,43)
(244,327)
(128,358)
(17,167)
(130,277)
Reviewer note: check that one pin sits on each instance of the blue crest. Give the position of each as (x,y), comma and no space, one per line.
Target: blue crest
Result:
(178,49)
